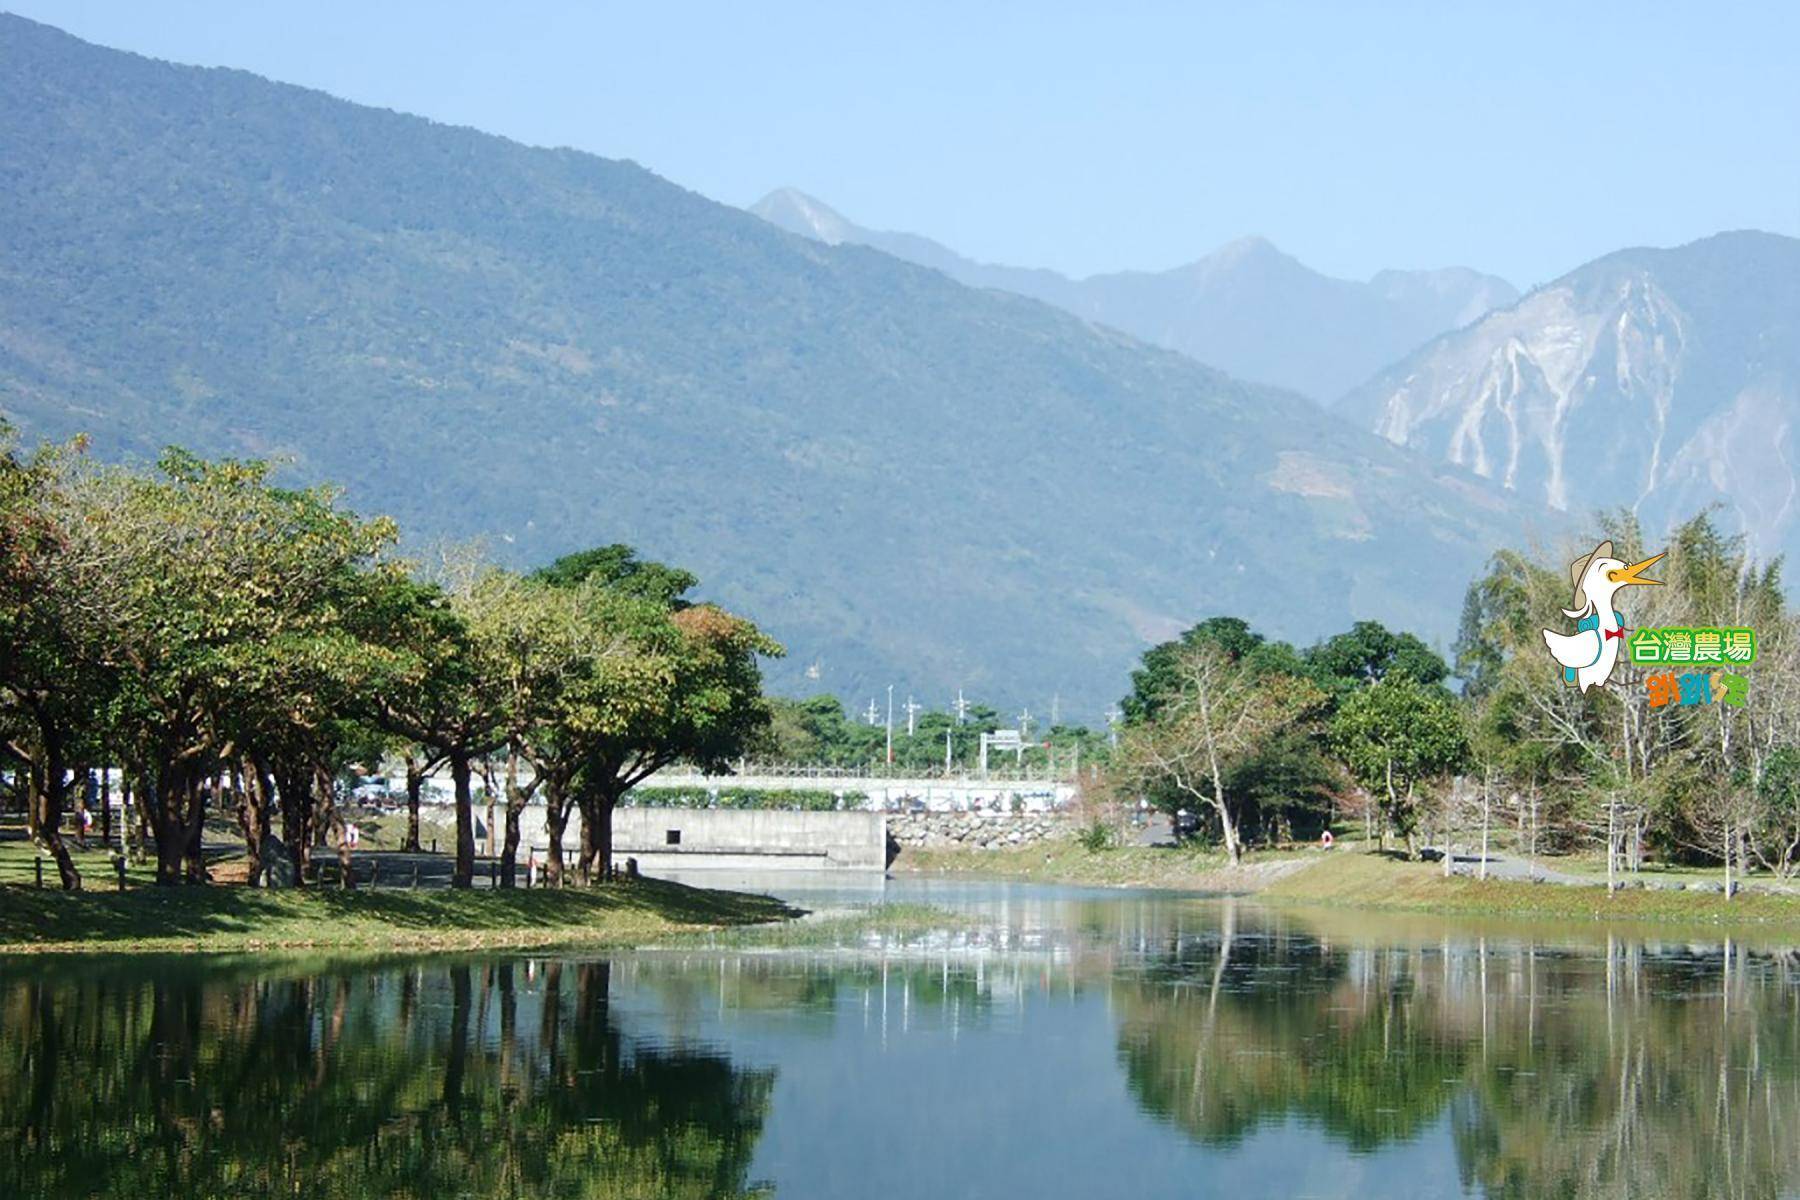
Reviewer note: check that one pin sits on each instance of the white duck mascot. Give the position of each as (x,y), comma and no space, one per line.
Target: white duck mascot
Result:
(1589,654)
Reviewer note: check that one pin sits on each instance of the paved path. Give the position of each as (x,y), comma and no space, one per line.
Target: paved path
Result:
(1514,868)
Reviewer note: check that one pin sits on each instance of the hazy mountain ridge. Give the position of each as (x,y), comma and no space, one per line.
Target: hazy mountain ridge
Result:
(1247,308)
(904,479)
(1659,380)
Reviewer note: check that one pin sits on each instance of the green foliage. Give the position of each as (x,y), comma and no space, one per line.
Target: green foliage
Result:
(817,731)
(618,569)
(1097,836)
(792,799)
(1157,678)
(1396,735)
(1368,653)
(199,621)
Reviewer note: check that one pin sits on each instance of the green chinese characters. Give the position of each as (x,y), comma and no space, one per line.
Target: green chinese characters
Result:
(1680,644)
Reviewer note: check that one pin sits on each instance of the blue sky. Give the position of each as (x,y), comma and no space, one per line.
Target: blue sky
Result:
(1518,138)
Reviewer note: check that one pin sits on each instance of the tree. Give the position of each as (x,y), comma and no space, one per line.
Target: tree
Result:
(1159,674)
(1775,831)
(680,682)
(50,684)
(618,569)
(1394,735)
(552,648)
(437,689)
(1217,710)
(1368,653)
(210,599)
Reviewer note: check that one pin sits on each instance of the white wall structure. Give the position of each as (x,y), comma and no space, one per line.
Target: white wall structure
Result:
(691,839)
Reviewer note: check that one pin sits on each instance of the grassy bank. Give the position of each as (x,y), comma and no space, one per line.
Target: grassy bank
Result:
(1350,878)
(223,919)
(1186,868)
(1374,881)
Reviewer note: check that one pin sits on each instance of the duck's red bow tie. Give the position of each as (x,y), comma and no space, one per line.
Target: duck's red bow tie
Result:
(1614,633)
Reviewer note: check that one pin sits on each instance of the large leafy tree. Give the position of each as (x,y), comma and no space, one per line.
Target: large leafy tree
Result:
(51,684)
(1160,672)
(212,601)
(1395,735)
(1367,653)
(681,683)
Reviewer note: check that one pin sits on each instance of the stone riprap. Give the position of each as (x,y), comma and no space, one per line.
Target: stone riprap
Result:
(978,831)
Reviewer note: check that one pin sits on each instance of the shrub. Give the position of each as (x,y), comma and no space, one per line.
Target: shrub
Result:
(1096,837)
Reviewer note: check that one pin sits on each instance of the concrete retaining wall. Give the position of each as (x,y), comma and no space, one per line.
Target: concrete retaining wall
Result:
(689,839)
(984,831)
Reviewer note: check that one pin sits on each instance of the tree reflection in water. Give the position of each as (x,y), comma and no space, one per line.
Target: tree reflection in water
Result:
(411,1080)
(1624,1072)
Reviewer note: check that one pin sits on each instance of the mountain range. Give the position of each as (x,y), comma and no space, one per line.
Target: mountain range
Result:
(1247,308)
(1662,381)
(904,479)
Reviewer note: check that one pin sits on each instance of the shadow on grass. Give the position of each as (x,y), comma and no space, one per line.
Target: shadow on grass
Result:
(29,916)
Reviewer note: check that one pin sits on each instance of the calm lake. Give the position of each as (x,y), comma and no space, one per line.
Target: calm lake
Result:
(1062,1043)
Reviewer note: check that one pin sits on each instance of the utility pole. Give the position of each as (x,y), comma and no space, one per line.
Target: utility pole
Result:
(1112,725)
(1025,723)
(890,725)
(874,714)
(946,749)
(1055,708)
(911,709)
(962,707)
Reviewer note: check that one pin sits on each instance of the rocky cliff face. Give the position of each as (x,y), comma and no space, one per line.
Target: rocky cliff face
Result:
(1656,380)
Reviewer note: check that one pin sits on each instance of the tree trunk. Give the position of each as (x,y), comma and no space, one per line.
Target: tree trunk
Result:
(1449,830)
(331,824)
(603,832)
(1388,808)
(195,830)
(590,823)
(253,813)
(464,875)
(296,801)
(45,797)
(1487,804)
(556,819)
(516,799)
(596,832)
(1227,827)
(415,786)
(167,810)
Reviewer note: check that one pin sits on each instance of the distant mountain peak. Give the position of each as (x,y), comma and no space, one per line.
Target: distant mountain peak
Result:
(1248,308)
(791,209)
(1250,246)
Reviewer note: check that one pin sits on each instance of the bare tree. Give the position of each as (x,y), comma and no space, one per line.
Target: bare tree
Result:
(1218,711)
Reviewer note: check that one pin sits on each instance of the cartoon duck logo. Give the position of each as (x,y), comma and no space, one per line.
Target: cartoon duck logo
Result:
(1590,653)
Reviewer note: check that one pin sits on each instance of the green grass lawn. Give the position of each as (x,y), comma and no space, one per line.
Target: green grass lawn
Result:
(225,918)
(1191,867)
(1364,880)
(1350,877)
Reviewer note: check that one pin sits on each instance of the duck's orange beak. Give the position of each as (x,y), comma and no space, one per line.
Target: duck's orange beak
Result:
(1631,574)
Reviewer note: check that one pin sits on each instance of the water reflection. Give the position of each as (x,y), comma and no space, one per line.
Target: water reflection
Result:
(1623,1069)
(482,1079)
(1064,1043)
